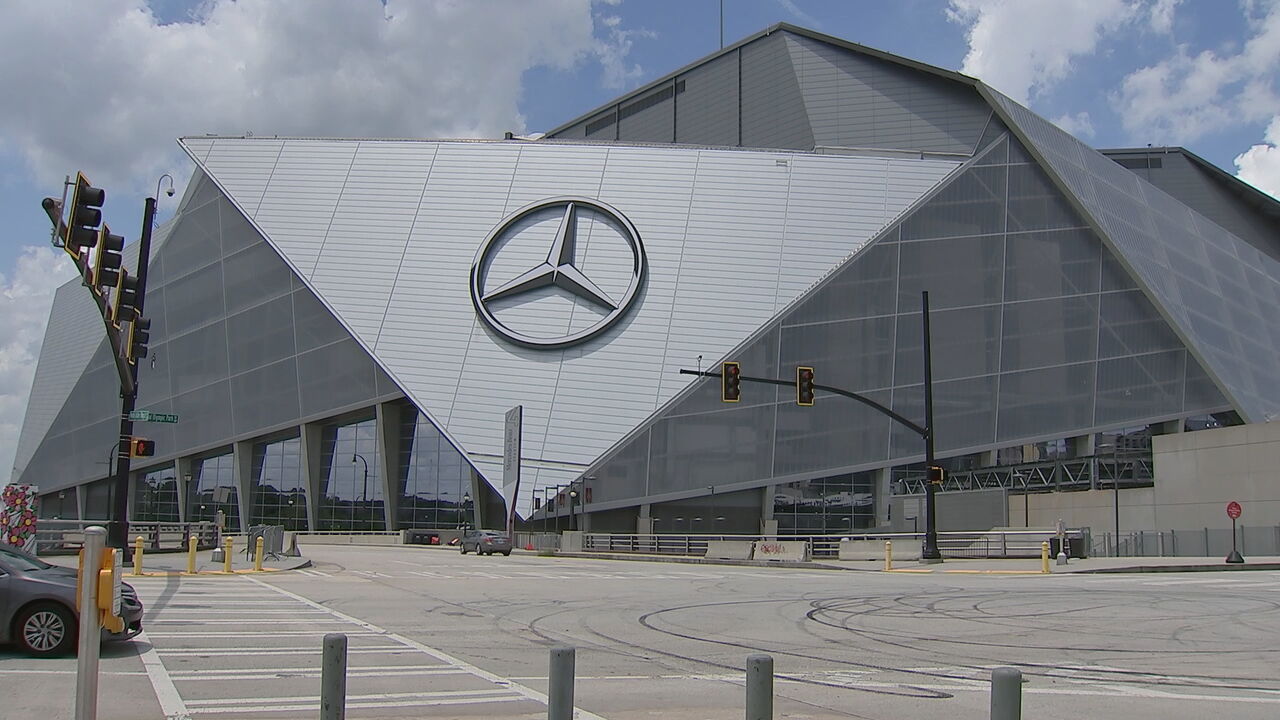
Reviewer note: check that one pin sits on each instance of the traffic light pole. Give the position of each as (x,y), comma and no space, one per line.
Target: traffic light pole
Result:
(930,549)
(118,530)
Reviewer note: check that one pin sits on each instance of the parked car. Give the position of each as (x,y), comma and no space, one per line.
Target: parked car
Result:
(38,606)
(486,542)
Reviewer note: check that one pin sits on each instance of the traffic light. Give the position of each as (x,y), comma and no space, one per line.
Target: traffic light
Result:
(730,381)
(804,386)
(936,475)
(135,345)
(141,447)
(124,304)
(106,260)
(84,217)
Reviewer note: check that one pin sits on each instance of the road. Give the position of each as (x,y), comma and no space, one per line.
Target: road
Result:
(435,634)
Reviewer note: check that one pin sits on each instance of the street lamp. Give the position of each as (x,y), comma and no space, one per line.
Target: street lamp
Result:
(364,494)
(573,495)
(466,510)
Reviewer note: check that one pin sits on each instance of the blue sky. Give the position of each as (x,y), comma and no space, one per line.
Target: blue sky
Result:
(105,86)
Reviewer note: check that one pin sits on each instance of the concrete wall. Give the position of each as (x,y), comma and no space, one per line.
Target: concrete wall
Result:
(1095,509)
(1198,473)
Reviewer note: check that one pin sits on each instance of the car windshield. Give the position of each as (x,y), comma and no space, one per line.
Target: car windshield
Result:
(18,560)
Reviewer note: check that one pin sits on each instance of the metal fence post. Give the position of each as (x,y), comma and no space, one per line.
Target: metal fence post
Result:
(759,687)
(333,678)
(560,684)
(1006,694)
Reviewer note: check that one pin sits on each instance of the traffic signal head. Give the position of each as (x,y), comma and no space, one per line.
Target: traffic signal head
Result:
(804,386)
(84,216)
(730,382)
(135,345)
(141,447)
(936,475)
(124,303)
(106,260)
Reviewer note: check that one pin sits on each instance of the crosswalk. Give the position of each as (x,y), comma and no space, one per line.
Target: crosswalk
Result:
(242,648)
(548,574)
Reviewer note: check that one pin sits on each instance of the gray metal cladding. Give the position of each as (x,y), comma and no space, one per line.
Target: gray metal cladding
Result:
(1031,339)
(1218,291)
(730,237)
(857,100)
(773,108)
(1207,192)
(707,109)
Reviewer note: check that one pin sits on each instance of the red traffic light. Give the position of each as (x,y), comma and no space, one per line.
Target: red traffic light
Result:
(142,447)
(730,382)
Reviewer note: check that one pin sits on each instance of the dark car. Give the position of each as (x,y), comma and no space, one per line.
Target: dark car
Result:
(38,606)
(486,542)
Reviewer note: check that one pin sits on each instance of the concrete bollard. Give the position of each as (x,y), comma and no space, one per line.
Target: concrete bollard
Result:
(759,687)
(560,684)
(888,555)
(1044,558)
(1006,694)
(137,555)
(226,556)
(1062,557)
(191,555)
(333,678)
(257,556)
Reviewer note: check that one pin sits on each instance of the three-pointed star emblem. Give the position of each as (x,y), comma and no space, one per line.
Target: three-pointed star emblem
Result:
(560,269)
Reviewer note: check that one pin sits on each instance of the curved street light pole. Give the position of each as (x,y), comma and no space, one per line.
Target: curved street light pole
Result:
(364,493)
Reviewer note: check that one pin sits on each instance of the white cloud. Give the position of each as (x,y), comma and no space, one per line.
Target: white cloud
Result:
(1187,96)
(1023,47)
(25,299)
(1160,16)
(1260,165)
(1080,124)
(102,86)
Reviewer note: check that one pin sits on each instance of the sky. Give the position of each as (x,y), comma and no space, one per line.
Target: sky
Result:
(106,86)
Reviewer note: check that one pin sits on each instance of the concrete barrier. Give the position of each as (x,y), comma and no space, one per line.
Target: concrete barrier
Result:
(729,549)
(796,550)
(903,549)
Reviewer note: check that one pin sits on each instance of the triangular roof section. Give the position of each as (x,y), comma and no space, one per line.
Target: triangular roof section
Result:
(1217,291)
(386,232)
(1264,203)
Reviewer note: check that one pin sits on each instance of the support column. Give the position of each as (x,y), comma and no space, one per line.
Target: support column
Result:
(387,429)
(883,495)
(183,469)
(131,498)
(768,526)
(990,458)
(80,493)
(312,464)
(644,522)
(1084,446)
(242,458)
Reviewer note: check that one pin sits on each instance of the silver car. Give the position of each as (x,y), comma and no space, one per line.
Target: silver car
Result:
(38,601)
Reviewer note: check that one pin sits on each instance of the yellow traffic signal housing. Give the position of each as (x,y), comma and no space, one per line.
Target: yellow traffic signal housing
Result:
(730,382)
(804,386)
(141,447)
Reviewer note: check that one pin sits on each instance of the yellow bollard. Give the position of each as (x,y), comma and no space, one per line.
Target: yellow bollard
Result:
(191,555)
(226,556)
(888,555)
(137,555)
(1044,558)
(257,556)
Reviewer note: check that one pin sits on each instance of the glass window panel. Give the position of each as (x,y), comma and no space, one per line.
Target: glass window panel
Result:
(1048,401)
(1051,264)
(265,397)
(1131,326)
(195,301)
(711,448)
(334,377)
(193,244)
(260,336)
(434,480)
(279,491)
(1035,204)
(314,325)
(350,492)
(155,496)
(856,355)
(213,489)
(237,232)
(835,432)
(998,155)
(1140,388)
(1049,332)
(957,272)
(963,343)
(759,359)
(254,275)
(198,358)
(862,288)
(972,204)
(625,474)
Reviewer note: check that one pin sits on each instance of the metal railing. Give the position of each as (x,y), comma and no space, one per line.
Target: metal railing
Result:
(1258,540)
(66,536)
(975,544)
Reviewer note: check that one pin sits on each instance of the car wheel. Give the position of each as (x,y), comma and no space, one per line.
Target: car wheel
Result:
(506,554)
(45,630)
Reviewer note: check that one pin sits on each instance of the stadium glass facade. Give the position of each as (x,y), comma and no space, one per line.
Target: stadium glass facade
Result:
(1078,306)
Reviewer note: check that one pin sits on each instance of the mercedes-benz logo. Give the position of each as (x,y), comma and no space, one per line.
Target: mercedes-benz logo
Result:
(559,271)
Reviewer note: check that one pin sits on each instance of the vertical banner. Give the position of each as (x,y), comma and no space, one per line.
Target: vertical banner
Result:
(511,464)
(18,517)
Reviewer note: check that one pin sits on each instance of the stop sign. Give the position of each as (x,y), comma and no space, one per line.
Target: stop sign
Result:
(1233,509)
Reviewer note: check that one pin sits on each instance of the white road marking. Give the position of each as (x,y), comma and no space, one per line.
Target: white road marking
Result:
(309,650)
(244,621)
(284,633)
(69,672)
(273,674)
(438,654)
(351,704)
(162,683)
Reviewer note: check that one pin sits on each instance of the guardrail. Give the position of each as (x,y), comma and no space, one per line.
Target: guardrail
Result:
(989,544)
(67,536)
